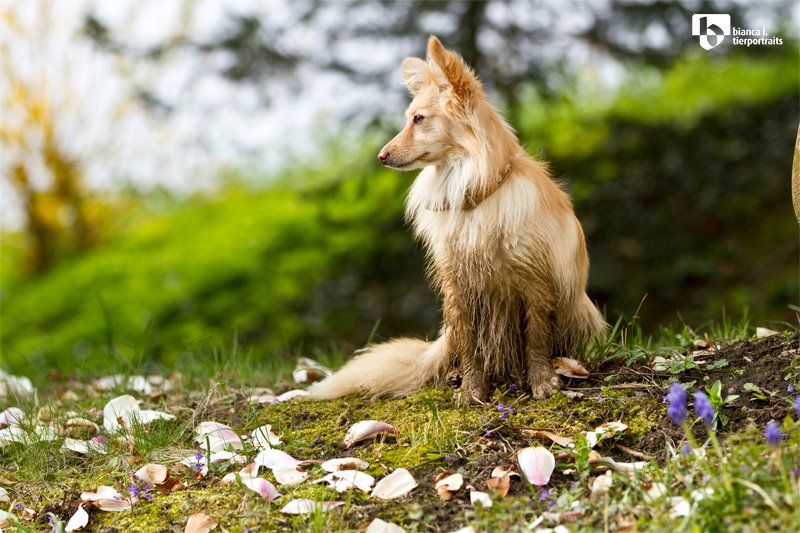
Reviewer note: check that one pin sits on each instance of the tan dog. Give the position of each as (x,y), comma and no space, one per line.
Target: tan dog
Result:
(506,250)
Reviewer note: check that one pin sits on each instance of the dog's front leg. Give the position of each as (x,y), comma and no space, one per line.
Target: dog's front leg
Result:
(542,377)
(462,347)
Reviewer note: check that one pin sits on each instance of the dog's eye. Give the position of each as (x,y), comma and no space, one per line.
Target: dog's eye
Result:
(418,119)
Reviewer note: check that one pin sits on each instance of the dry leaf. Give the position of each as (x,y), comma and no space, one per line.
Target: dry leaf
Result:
(566,366)
(566,442)
(201,523)
(499,485)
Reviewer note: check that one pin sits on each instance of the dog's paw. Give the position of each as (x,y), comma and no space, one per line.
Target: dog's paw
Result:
(545,386)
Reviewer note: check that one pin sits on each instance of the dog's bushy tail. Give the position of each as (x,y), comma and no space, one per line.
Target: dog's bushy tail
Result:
(393,369)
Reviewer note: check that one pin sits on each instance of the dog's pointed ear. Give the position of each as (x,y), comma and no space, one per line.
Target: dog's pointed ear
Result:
(415,74)
(464,85)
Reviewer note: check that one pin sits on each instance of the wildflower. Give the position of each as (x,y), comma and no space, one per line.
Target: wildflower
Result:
(52,522)
(790,389)
(773,434)
(134,490)
(148,497)
(686,450)
(198,465)
(704,409)
(489,433)
(797,406)
(677,404)
(19,507)
(544,495)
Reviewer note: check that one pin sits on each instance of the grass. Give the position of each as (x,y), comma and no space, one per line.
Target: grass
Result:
(745,485)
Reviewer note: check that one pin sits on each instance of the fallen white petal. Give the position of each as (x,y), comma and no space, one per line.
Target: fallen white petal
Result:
(398,483)
(225,455)
(366,429)
(209,426)
(272,458)
(499,471)
(113,505)
(680,507)
(344,463)
(78,520)
(624,468)
(344,480)
(477,497)
(381,526)
(656,491)
(264,437)
(18,385)
(289,474)
(102,492)
(76,445)
(763,333)
(537,464)
(12,416)
(117,408)
(13,434)
(452,483)
(263,487)
(600,486)
(145,416)
(306,506)
(309,370)
(219,440)
(4,497)
(152,473)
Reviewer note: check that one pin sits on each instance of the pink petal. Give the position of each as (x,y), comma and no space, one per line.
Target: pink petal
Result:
(271,458)
(366,429)
(537,464)
(263,487)
(11,417)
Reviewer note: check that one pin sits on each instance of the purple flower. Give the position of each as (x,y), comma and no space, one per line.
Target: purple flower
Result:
(773,434)
(501,407)
(544,495)
(686,450)
(489,432)
(134,490)
(677,404)
(19,507)
(797,405)
(704,409)
(790,389)
(148,497)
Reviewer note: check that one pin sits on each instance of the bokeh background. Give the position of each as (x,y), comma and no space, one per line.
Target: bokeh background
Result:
(197,173)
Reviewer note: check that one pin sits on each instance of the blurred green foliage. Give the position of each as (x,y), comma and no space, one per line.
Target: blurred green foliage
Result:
(681,180)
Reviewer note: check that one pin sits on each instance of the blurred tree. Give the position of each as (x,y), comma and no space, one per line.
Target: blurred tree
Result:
(510,43)
(46,176)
